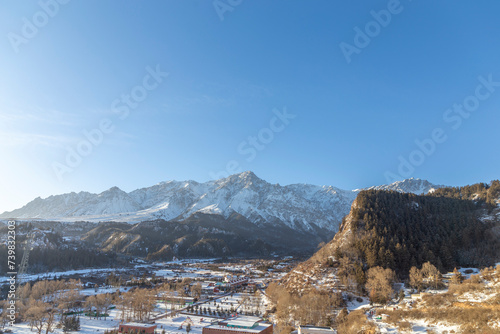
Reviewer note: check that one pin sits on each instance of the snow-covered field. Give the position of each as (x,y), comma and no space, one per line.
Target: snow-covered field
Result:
(173,271)
(245,302)
(82,272)
(92,326)
(161,269)
(88,325)
(170,324)
(478,298)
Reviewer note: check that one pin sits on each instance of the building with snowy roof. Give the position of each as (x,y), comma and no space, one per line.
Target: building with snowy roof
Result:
(234,280)
(314,330)
(239,325)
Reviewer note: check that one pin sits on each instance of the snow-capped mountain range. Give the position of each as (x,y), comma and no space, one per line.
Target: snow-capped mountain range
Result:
(299,206)
(416,186)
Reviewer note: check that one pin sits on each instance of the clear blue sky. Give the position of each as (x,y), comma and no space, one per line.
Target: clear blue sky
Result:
(353,120)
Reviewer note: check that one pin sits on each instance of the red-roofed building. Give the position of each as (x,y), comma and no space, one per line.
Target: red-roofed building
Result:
(135,327)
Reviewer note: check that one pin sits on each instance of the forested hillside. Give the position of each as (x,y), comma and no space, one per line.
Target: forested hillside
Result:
(201,235)
(449,227)
(51,251)
(482,192)
(398,231)
(43,259)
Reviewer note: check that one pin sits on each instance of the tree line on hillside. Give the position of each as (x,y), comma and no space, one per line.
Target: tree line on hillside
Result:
(487,193)
(49,259)
(399,230)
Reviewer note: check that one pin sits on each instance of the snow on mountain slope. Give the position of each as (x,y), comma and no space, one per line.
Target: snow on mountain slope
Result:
(300,206)
(111,201)
(412,185)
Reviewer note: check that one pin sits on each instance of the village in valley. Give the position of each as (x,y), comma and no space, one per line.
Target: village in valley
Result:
(224,297)
(198,296)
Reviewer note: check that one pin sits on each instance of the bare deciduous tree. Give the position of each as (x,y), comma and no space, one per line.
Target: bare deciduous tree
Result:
(379,284)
